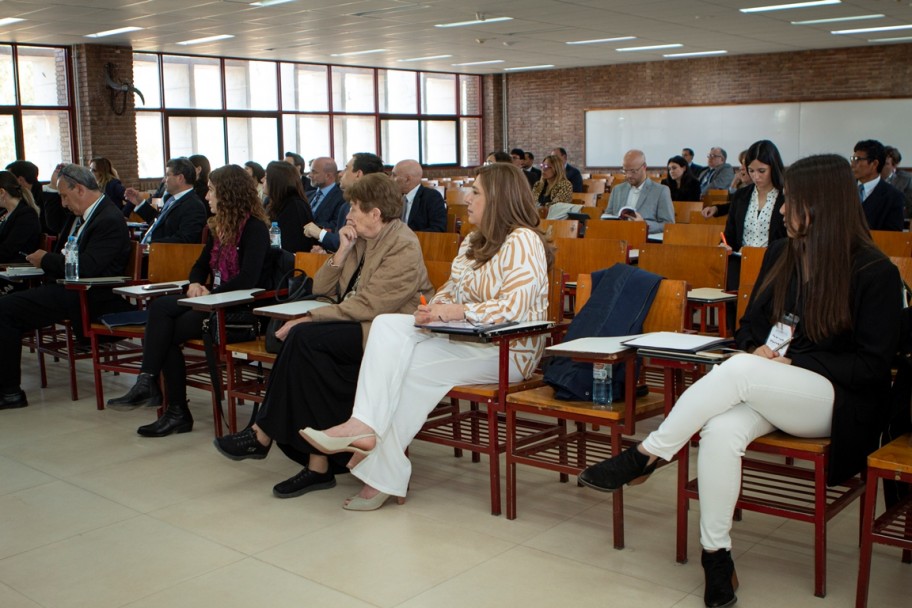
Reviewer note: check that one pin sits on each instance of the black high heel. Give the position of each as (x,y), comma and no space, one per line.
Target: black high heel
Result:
(721,579)
(630,467)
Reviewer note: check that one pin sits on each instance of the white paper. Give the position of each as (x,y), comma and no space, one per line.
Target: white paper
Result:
(593,346)
(667,340)
(298,308)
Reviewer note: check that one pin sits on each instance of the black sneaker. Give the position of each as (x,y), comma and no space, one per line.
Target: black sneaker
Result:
(242,445)
(304,482)
(628,467)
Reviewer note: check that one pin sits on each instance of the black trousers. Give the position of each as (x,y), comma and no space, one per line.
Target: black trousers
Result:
(168,327)
(312,384)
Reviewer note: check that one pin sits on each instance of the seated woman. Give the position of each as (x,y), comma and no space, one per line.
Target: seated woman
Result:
(378,268)
(288,205)
(20,227)
(235,257)
(108,180)
(553,187)
(203,168)
(259,174)
(683,185)
(827,375)
(500,274)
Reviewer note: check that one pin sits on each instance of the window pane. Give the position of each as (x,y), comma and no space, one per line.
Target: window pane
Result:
(306,135)
(470,94)
(7,139)
(438,142)
(47,138)
(192,82)
(398,92)
(399,140)
(145,78)
(252,139)
(304,87)
(470,140)
(151,144)
(7,84)
(353,134)
(195,135)
(250,85)
(42,77)
(438,93)
(352,90)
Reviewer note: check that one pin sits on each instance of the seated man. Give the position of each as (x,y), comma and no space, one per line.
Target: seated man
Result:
(882,203)
(719,174)
(104,250)
(424,208)
(650,201)
(901,180)
(182,215)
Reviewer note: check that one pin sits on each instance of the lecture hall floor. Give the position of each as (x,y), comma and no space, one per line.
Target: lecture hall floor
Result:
(93,515)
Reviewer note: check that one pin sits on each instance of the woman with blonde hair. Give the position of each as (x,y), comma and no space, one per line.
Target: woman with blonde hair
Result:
(553,187)
(108,180)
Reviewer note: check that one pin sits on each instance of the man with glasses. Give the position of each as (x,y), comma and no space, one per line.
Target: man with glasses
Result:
(719,174)
(651,202)
(182,215)
(103,244)
(882,203)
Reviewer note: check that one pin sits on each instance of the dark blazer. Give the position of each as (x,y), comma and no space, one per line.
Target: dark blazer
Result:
(737,213)
(856,361)
(575,177)
(114,190)
(183,224)
(292,220)
(884,208)
(19,231)
(696,170)
(253,249)
(689,190)
(533,175)
(902,181)
(55,215)
(428,212)
(331,215)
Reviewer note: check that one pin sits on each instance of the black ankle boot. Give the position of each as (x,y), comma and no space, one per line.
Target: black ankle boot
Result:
(629,467)
(176,419)
(721,579)
(144,392)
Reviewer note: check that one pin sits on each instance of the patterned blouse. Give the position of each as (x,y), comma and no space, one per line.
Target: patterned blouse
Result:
(757,221)
(511,286)
(561,192)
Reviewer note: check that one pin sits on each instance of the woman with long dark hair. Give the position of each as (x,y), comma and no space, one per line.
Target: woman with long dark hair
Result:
(821,329)
(20,226)
(203,168)
(288,206)
(683,185)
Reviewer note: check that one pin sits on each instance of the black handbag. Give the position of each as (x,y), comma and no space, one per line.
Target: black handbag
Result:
(240,326)
(300,287)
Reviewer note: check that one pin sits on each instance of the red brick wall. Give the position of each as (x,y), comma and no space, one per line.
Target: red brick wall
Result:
(546,109)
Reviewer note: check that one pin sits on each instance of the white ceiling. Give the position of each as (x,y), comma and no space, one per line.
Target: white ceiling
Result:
(311,30)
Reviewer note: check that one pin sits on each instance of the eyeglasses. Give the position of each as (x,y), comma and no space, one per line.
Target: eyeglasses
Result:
(544,166)
(632,171)
(856,159)
(714,156)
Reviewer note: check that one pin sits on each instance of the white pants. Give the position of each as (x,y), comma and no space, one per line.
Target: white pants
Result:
(738,401)
(405,372)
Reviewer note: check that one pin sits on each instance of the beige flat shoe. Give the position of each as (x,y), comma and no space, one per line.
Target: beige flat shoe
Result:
(357,503)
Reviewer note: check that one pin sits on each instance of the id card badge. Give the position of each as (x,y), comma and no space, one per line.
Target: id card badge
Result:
(216,279)
(781,334)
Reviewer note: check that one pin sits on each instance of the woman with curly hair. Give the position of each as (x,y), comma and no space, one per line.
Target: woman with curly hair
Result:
(108,180)
(235,257)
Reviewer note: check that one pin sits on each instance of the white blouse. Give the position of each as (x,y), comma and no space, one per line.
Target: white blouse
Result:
(757,221)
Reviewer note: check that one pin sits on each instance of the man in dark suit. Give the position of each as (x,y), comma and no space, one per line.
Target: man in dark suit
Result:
(573,174)
(901,180)
(693,167)
(104,250)
(882,203)
(329,207)
(424,208)
(533,173)
(182,215)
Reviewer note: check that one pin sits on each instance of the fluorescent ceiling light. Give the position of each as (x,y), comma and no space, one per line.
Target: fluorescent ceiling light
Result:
(353,53)
(902,39)
(600,40)
(456,65)
(783,7)
(432,57)
(696,54)
(122,30)
(206,39)
(474,22)
(868,30)
(10,21)
(269,2)
(529,67)
(653,47)
(838,19)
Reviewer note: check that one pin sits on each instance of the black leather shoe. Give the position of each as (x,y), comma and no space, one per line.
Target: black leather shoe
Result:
(12,401)
(304,482)
(144,392)
(629,467)
(721,579)
(241,446)
(174,420)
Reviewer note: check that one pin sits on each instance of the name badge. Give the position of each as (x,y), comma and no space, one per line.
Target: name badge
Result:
(216,279)
(780,336)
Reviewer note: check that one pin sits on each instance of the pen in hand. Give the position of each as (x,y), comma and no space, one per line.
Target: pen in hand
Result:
(422,299)
(724,240)
(781,346)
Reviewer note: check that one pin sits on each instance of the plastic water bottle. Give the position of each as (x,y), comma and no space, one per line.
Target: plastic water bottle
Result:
(275,236)
(71,260)
(601,384)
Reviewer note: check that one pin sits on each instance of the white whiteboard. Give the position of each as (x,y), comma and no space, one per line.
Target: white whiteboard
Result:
(798,129)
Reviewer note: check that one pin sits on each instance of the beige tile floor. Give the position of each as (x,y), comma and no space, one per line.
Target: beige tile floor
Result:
(92,515)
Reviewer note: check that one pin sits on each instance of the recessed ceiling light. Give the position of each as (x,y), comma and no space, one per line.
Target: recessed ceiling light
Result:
(838,19)
(474,22)
(122,30)
(868,30)
(529,67)
(456,65)
(10,21)
(431,58)
(600,40)
(783,7)
(695,54)
(206,39)
(353,53)
(902,39)
(653,47)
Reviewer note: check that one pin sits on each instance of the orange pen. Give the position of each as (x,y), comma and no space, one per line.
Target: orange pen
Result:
(723,240)
(422,299)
